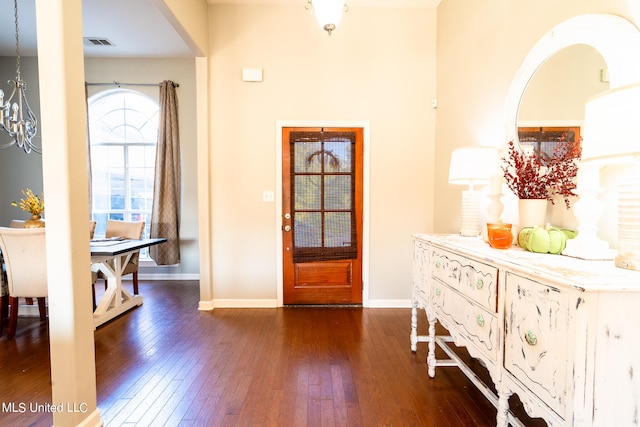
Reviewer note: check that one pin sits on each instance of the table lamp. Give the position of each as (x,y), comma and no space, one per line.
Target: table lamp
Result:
(472,166)
(611,135)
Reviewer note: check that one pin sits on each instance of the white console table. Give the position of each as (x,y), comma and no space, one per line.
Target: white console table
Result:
(560,332)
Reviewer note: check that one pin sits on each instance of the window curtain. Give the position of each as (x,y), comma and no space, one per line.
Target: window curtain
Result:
(165,214)
(89,171)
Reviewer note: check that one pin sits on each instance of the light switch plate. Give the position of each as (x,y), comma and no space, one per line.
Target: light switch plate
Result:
(268,196)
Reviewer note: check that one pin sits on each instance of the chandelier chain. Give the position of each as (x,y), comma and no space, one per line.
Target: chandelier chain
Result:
(15,11)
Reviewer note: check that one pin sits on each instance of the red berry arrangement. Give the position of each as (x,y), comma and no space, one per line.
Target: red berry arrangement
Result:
(528,178)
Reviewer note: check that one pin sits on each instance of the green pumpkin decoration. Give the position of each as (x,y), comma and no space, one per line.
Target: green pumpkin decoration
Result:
(544,240)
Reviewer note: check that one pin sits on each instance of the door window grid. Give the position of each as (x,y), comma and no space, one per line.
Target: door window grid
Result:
(324,196)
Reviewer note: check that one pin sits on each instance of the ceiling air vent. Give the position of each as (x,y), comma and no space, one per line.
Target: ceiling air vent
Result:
(97,41)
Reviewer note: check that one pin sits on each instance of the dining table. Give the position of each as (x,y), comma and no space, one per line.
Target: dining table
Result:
(109,256)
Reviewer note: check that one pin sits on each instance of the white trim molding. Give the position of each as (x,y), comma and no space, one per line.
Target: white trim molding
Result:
(168,276)
(245,303)
(390,303)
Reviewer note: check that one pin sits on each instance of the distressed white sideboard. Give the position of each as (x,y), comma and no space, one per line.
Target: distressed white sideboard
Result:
(562,333)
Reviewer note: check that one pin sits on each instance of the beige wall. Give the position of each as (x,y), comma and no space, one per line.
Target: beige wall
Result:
(378,66)
(480,47)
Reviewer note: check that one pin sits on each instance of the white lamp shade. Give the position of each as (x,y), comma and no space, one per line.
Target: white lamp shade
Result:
(612,124)
(328,11)
(473,165)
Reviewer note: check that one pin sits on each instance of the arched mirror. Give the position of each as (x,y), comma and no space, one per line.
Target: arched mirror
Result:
(614,38)
(552,106)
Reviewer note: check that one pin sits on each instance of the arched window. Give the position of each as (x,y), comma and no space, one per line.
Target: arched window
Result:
(123,126)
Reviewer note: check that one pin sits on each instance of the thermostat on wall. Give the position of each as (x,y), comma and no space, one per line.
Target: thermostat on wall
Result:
(252,74)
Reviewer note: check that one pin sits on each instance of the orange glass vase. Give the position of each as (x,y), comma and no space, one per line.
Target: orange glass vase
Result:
(500,236)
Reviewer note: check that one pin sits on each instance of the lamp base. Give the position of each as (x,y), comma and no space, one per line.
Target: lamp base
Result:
(470,213)
(629,222)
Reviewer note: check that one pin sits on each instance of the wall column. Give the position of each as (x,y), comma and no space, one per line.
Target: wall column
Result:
(204,184)
(64,159)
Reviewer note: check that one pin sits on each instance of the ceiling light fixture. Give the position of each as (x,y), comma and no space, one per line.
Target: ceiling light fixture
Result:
(16,117)
(328,12)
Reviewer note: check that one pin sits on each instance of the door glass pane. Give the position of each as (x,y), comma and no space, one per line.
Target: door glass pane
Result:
(308,230)
(307,192)
(340,152)
(337,193)
(308,157)
(337,229)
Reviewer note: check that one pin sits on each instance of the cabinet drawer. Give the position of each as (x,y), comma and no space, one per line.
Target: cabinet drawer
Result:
(536,339)
(474,279)
(473,322)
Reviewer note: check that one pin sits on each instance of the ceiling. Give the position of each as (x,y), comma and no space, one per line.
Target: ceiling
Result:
(136,27)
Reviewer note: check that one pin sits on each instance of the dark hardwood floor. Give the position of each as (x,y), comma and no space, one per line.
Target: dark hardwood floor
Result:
(166,363)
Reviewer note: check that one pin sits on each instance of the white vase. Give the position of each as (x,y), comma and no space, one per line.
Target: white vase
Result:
(532,212)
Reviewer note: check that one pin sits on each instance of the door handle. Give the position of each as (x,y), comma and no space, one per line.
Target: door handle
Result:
(287,228)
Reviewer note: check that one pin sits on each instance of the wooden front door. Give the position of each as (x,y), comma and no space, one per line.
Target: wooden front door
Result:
(322,215)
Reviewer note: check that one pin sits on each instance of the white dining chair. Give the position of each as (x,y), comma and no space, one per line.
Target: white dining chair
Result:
(92,228)
(25,258)
(17,223)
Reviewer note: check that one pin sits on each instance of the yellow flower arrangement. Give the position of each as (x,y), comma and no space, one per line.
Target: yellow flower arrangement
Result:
(31,203)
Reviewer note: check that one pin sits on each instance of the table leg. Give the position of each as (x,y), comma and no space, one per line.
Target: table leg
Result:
(116,300)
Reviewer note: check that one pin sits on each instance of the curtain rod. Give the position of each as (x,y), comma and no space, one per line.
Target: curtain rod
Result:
(119,84)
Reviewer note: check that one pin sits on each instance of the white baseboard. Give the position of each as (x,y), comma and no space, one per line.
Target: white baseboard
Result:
(389,303)
(151,277)
(25,310)
(92,420)
(205,305)
(245,303)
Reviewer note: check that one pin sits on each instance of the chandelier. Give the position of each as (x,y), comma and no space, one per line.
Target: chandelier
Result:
(328,12)
(16,117)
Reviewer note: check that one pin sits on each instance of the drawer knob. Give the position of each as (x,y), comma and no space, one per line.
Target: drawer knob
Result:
(480,319)
(530,337)
(479,283)
(438,263)
(438,291)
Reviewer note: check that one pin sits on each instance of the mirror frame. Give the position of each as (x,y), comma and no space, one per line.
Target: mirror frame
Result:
(615,38)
